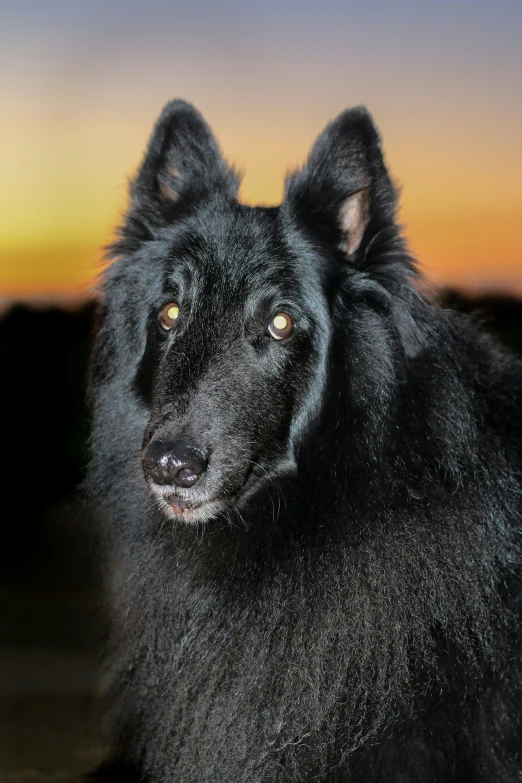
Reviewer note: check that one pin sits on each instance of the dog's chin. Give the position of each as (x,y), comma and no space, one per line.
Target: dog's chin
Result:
(189,511)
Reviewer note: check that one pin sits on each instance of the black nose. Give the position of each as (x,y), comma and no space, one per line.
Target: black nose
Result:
(174,462)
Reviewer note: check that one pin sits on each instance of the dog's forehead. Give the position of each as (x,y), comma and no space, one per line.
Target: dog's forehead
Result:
(243,248)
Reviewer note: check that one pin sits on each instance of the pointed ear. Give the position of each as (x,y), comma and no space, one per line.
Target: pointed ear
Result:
(181,166)
(344,192)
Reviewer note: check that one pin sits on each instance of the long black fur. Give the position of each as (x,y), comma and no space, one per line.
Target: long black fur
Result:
(352,613)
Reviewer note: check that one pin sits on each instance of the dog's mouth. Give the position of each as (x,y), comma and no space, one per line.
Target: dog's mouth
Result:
(189,505)
(188,509)
(185,504)
(181,506)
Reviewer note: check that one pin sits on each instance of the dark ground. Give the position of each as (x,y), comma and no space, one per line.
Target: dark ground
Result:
(50,634)
(51,621)
(49,639)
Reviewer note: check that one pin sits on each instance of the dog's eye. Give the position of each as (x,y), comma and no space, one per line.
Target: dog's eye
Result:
(280,326)
(169,314)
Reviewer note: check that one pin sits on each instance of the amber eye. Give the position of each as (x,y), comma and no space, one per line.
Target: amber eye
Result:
(169,314)
(280,326)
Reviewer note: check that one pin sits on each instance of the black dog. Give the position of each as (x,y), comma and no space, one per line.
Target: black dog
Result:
(310,480)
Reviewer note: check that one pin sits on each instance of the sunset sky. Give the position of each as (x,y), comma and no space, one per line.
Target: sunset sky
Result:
(82,83)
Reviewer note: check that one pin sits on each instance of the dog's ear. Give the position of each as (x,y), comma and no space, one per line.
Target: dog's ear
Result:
(344,193)
(181,166)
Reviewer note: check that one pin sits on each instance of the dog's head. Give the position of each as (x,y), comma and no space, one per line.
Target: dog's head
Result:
(217,333)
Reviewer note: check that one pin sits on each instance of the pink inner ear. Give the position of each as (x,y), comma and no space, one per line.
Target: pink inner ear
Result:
(354,215)
(168,180)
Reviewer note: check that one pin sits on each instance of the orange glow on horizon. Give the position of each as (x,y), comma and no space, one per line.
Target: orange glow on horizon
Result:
(85,82)
(63,198)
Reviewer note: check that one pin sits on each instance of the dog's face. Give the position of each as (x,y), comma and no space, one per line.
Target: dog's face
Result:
(235,346)
(225,313)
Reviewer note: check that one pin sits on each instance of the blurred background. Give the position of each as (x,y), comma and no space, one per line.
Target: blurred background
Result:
(81,85)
